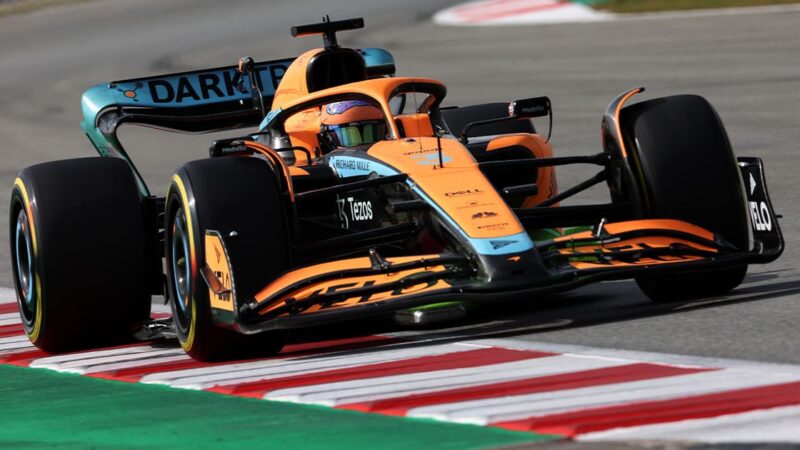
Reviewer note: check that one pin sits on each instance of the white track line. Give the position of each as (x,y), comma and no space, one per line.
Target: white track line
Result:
(541,404)
(777,425)
(76,359)
(640,356)
(10,319)
(371,389)
(143,358)
(149,360)
(7,344)
(207,377)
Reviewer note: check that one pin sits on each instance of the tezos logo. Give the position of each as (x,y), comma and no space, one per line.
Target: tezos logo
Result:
(351,210)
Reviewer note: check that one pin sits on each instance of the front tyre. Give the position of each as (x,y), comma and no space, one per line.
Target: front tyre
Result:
(238,197)
(686,170)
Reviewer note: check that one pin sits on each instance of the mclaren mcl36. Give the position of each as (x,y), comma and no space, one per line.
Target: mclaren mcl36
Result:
(355,193)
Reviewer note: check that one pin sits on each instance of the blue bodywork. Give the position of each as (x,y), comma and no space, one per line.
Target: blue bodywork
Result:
(198,101)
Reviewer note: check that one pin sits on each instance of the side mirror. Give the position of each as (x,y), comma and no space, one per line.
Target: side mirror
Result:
(529,108)
(532,107)
(518,110)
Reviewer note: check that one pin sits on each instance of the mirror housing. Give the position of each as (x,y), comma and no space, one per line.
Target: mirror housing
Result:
(529,108)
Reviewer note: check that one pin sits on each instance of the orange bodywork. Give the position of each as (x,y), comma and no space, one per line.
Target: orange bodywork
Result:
(346,283)
(294,84)
(653,224)
(303,129)
(459,188)
(416,125)
(617,111)
(216,258)
(378,89)
(545,177)
(446,172)
(581,254)
(632,246)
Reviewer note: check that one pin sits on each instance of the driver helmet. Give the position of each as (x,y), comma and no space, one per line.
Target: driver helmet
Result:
(351,123)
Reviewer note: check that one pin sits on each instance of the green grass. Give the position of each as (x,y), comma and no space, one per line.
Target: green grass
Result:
(43,409)
(634,6)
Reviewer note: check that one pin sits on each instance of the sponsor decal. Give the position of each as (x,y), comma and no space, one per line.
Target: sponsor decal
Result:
(233,149)
(229,147)
(493,226)
(463,192)
(208,86)
(484,215)
(352,210)
(501,244)
(217,262)
(342,107)
(408,289)
(417,152)
(759,213)
(351,164)
(131,93)
(432,158)
(474,204)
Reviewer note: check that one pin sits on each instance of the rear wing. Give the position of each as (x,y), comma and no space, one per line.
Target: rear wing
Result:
(198,101)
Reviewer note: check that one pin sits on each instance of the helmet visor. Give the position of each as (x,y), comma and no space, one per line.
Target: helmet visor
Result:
(354,134)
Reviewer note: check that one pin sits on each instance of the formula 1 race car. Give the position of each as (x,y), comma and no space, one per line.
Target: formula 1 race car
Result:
(360,195)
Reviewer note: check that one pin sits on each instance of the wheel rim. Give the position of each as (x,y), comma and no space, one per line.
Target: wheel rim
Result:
(181,268)
(23,250)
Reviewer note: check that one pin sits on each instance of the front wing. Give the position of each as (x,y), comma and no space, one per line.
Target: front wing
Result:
(370,285)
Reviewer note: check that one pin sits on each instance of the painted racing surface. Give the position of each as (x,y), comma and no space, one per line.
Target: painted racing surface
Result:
(545,391)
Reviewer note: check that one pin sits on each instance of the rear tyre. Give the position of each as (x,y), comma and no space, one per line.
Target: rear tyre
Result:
(232,195)
(686,170)
(78,253)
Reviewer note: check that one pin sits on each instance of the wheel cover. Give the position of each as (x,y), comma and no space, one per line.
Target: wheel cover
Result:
(23,258)
(181,269)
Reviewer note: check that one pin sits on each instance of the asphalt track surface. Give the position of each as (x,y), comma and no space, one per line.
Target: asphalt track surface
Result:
(748,66)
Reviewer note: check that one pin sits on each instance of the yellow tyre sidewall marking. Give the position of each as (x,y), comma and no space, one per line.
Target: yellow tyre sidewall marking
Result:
(187,344)
(34,333)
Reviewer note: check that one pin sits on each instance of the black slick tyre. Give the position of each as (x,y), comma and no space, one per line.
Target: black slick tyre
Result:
(238,197)
(77,240)
(685,168)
